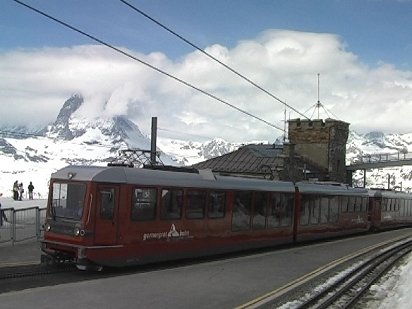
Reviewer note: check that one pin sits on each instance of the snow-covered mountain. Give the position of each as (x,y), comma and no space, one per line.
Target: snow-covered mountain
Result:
(188,153)
(32,155)
(379,143)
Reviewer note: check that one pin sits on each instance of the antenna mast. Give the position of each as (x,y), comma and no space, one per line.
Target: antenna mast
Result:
(284,126)
(318,105)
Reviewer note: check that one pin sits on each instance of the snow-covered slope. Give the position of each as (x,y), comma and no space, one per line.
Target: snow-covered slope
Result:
(77,139)
(188,153)
(380,143)
(71,139)
(32,155)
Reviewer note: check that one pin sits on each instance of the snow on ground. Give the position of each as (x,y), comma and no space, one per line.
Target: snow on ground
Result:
(8,202)
(390,292)
(50,155)
(394,289)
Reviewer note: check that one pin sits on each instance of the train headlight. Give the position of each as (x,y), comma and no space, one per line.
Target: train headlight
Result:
(76,231)
(47,227)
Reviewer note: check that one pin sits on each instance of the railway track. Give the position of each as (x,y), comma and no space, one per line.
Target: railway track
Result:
(26,271)
(347,288)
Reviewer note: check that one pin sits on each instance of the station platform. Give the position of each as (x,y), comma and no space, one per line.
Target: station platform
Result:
(234,282)
(20,254)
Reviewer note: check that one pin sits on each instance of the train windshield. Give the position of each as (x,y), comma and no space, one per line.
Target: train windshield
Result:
(68,200)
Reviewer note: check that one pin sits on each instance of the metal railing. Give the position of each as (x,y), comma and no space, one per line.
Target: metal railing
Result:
(18,225)
(382,157)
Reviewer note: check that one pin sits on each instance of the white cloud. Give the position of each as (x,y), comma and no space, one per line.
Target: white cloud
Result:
(286,63)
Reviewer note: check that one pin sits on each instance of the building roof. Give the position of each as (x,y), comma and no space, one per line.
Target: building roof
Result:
(248,159)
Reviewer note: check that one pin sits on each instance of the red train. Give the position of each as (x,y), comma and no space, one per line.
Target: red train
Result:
(119,216)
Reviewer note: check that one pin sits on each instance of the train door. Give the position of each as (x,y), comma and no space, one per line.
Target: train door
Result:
(106,226)
(375,208)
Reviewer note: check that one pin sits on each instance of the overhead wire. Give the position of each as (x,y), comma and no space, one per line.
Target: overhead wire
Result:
(210,56)
(147,64)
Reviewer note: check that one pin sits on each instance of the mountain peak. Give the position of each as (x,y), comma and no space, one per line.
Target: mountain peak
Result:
(60,128)
(69,107)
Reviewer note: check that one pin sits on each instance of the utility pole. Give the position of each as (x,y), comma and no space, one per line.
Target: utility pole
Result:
(389,181)
(153,142)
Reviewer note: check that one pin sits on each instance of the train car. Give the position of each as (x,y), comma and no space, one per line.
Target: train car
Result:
(330,210)
(389,209)
(119,216)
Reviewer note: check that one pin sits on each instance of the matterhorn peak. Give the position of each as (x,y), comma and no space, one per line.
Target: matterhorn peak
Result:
(69,107)
(60,128)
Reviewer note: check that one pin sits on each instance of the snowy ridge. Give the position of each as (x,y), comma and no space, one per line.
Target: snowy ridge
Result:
(188,153)
(74,138)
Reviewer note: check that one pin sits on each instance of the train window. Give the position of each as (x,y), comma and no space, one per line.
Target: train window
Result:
(241,211)
(334,209)
(107,204)
(345,203)
(307,201)
(315,211)
(287,203)
(259,215)
(68,200)
(144,204)
(274,215)
(196,203)
(402,206)
(171,204)
(358,204)
(324,210)
(384,204)
(216,204)
(364,204)
(351,204)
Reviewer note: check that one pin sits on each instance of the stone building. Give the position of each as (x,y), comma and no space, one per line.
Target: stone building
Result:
(323,144)
(316,149)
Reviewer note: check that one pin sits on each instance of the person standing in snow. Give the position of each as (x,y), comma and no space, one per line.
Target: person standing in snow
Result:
(31,188)
(21,191)
(16,190)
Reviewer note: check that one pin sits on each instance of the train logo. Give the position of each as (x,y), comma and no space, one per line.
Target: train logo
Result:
(172,234)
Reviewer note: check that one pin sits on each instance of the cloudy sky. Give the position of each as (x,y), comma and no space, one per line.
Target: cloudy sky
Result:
(361,49)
